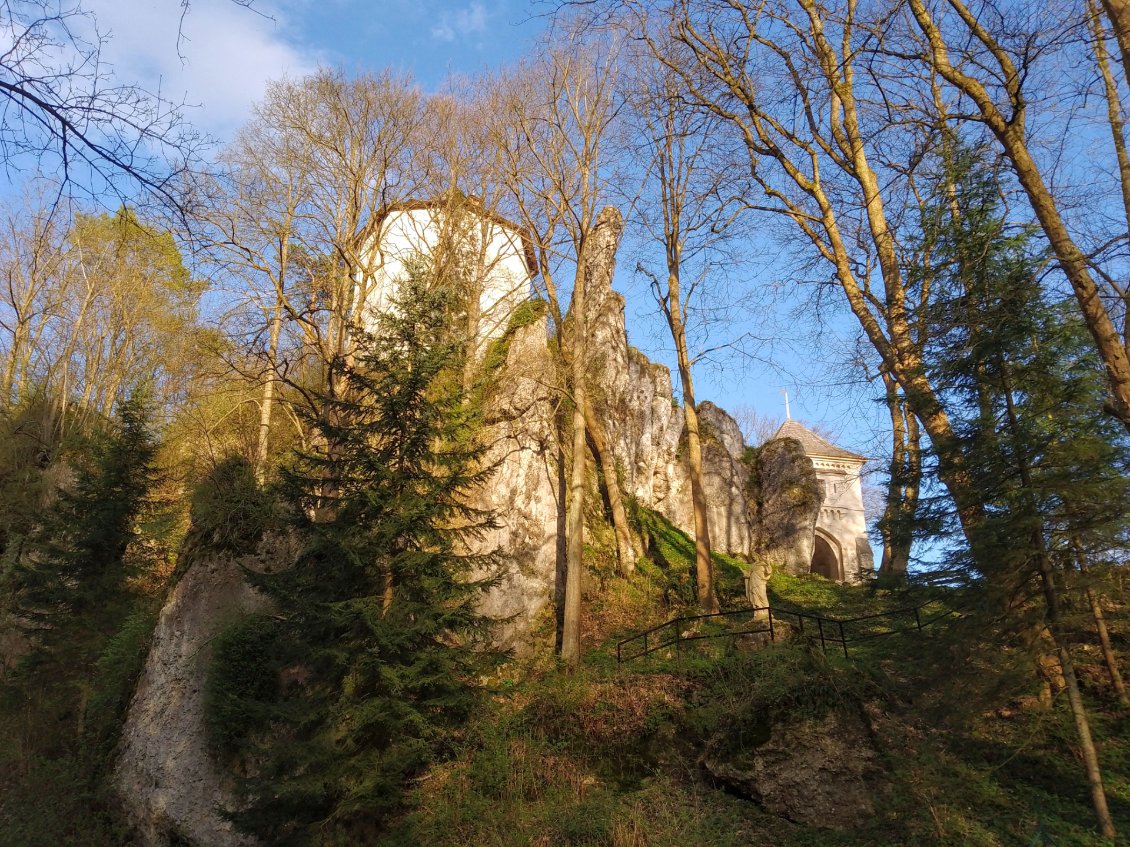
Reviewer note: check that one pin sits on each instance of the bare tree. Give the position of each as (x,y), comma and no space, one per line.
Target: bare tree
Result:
(692,191)
(93,310)
(66,116)
(552,118)
(295,220)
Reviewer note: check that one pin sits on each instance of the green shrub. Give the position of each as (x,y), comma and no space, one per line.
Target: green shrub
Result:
(243,676)
(116,672)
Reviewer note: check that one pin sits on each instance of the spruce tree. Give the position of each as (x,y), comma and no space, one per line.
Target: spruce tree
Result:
(76,559)
(1017,369)
(377,620)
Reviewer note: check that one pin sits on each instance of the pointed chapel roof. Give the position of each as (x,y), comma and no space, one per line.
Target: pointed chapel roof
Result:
(813,444)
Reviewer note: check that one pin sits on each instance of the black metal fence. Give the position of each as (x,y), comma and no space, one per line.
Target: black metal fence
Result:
(831,632)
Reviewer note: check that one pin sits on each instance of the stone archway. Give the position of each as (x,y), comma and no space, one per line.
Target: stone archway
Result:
(826,558)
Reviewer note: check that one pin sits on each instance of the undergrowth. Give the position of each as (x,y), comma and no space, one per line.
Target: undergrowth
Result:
(610,755)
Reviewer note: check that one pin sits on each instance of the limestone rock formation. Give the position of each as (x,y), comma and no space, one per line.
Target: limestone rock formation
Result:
(168,782)
(820,771)
(645,426)
(785,504)
(522,492)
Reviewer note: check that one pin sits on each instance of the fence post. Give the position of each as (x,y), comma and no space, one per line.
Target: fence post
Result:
(645,651)
(800,623)
(820,625)
(618,660)
(772,634)
(917,620)
(843,640)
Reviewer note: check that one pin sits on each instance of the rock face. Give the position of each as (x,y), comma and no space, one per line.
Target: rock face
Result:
(785,504)
(645,427)
(816,771)
(523,491)
(170,785)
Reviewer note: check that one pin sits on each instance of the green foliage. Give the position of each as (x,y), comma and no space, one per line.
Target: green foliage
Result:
(669,562)
(609,756)
(1021,379)
(379,612)
(116,671)
(527,313)
(61,716)
(230,511)
(75,561)
(242,681)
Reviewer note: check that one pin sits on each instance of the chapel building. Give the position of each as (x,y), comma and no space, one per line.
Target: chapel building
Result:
(841,550)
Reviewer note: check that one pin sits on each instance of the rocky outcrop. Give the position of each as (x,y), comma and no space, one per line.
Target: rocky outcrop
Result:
(785,498)
(522,492)
(645,427)
(171,787)
(820,771)
(725,478)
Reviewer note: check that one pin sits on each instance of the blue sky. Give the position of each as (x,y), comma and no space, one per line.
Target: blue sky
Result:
(226,54)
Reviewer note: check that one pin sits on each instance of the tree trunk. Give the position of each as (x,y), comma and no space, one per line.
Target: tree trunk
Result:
(703,566)
(267,403)
(1054,620)
(574,517)
(612,486)
(1119,13)
(596,260)
(1078,708)
(1109,655)
(902,490)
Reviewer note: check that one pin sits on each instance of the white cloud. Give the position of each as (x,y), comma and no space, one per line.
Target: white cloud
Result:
(461,23)
(229,53)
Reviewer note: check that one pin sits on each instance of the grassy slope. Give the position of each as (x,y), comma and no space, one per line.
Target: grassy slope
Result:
(608,755)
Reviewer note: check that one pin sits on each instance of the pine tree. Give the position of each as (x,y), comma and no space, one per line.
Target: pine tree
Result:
(378,616)
(76,560)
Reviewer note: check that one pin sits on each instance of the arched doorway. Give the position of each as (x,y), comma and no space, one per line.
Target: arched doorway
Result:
(825,559)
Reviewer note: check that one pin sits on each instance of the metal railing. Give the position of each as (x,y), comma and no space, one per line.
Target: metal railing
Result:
(828,630)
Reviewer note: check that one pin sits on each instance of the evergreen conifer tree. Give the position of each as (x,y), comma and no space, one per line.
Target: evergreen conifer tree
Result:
(1017,369)
(76,560)
(377,620)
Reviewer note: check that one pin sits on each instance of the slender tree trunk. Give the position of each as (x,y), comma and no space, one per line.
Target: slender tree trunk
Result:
(574,517)
(1119,13)
(10,368)
(596,259)
(1109,655)
(1054,619)
(267,403)
(1078,708)
(902,490)
(703,566)
(612,485)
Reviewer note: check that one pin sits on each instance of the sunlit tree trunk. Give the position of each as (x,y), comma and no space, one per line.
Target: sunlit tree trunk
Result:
(905,475)
(574,516)
(611,476)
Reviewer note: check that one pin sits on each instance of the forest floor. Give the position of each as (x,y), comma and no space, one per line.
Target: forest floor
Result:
(611,754)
